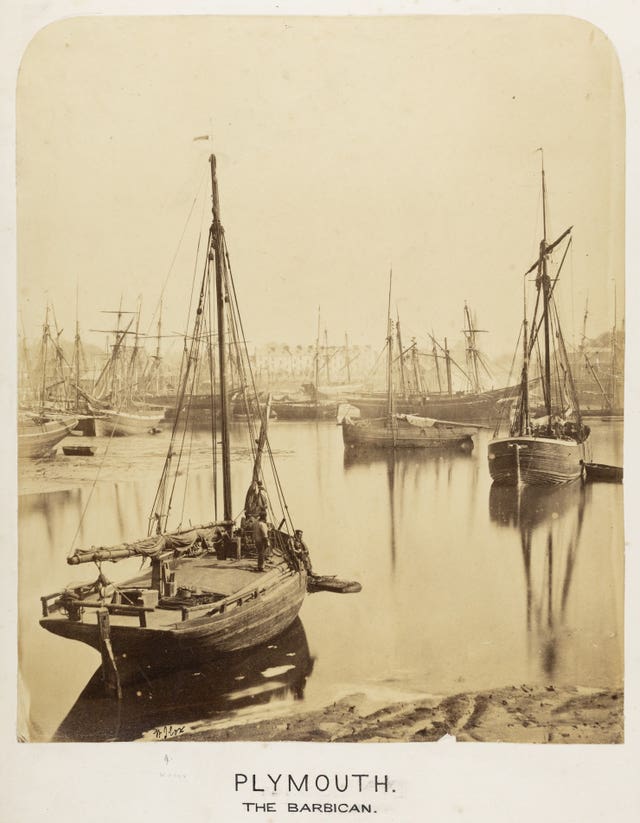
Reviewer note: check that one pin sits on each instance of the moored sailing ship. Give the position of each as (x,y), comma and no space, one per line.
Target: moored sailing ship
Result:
(551,448)
(113,400)
(398,430)
(473,404)
(209,589)
(38,435)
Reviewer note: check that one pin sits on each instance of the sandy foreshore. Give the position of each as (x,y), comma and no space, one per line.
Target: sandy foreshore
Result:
(514,714)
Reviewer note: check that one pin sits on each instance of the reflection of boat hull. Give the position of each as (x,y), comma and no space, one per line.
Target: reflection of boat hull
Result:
(37,439)
(404,435)
(530,506)
(124,424)
(229,683)
(536,461)
(462,408)
(263,610)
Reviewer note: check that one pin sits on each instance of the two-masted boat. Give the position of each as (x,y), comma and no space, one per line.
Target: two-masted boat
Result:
(397,430)
(209,589)
(548,442)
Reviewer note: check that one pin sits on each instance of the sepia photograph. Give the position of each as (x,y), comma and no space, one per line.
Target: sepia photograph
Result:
(320,351)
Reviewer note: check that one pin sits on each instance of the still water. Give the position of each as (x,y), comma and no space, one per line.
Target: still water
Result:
(465,586)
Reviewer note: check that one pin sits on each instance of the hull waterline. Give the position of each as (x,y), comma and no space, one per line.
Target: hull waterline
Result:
(535,461)
(167,642)
(403,435)
(38,439)
(125,424)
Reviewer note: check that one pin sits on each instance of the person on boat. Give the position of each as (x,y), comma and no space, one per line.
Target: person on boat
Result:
(301,550)
(261,539)
(256,500)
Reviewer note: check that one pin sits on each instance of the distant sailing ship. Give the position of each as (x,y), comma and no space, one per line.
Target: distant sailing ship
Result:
(550,448)
(45,413)
(113,399)
(397,430)
(473,405)
(598,376)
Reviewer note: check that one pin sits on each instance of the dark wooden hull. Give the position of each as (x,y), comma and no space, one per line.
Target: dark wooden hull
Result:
(535,461)
(187,642)
(378,434)
(206,692)
(461,408)
(303,410)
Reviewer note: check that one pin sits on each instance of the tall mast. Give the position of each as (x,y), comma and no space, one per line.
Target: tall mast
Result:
(216,249)
(389,356)
(158,349)
(45,340)
(583,357)
(472,351)
(346,356)
(76,353)
(317,364)
(543,280)
(402,380)
(131,376)
(524,411)
(29,391)
(447,360)
(416,366)
(434,351)
(326,355)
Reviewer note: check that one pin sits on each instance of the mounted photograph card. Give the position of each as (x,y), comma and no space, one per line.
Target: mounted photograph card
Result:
(320,340)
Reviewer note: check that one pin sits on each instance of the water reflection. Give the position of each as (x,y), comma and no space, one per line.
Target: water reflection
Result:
(549,522)
(458,593)
(227,686)
(406,472)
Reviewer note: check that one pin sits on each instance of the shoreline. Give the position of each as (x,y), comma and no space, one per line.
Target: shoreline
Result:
(511,714)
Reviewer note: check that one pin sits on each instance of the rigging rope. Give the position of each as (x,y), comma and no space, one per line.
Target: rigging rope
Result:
(91,490)
(278,485)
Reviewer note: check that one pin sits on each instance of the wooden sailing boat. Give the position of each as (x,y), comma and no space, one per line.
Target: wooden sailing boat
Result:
(204,594)
(399,430)
(473,405)
(45,418)
(207,692)
(38,436)
(118,413)
(600,386)
(552,448)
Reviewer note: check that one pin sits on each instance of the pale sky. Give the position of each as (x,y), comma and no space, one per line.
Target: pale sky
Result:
(344,146)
